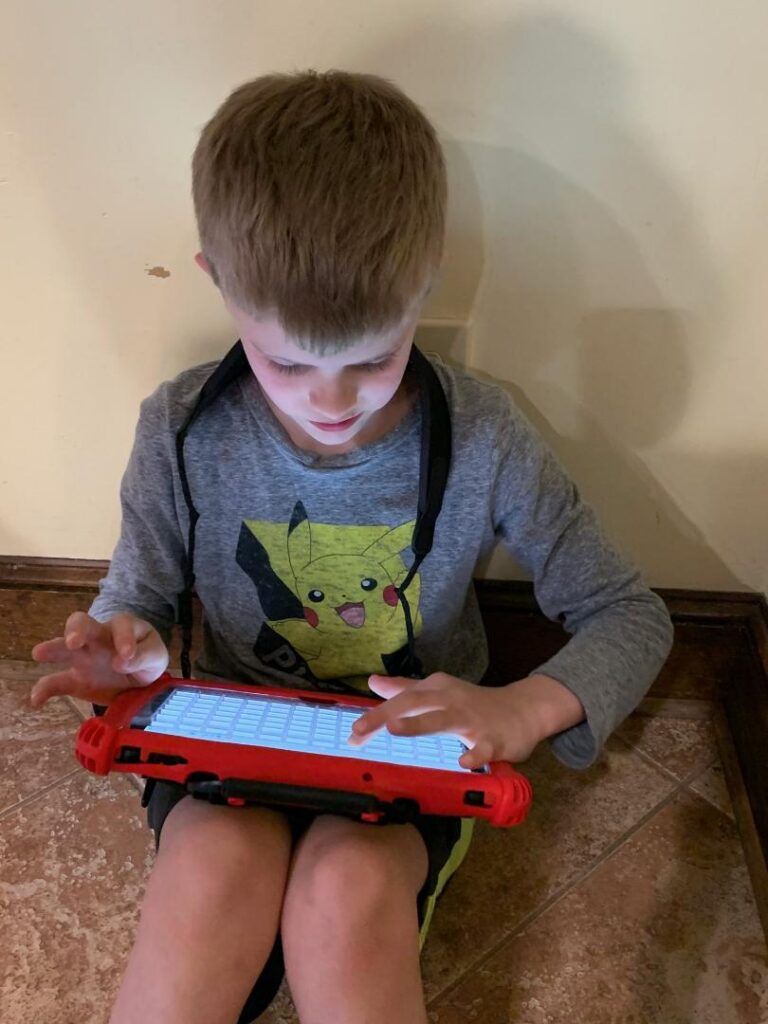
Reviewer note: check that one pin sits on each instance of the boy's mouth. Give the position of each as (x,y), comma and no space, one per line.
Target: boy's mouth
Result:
(353,613)
(341,425)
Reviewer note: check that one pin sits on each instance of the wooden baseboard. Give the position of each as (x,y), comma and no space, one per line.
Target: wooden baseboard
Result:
(720,653)
(58,574)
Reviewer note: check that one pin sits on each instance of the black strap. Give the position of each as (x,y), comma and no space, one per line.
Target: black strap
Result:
(433,475)
(435,457)
(232,366)
(434,465)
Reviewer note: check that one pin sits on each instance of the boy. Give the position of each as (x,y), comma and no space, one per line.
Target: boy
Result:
(320,203)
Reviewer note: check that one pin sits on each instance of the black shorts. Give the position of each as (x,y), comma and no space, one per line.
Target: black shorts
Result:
(446,839)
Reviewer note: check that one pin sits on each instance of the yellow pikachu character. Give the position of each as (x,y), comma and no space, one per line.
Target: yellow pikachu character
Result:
(346,578)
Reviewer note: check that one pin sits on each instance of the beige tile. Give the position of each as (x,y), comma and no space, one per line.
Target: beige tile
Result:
(712,786)
(28,671)
(82,708)
(673,707)
(73,865)
(509,873)
(680,745)
(32,758)
(282,1010)
(665,931)
(36,746)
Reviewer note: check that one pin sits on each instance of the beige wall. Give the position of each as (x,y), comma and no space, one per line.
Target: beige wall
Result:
(607,250)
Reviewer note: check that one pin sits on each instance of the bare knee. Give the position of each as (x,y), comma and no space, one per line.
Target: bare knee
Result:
(210,915)
(347,870)
(224,852)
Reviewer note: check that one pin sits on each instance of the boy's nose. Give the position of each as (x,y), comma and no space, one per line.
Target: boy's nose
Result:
(333,402)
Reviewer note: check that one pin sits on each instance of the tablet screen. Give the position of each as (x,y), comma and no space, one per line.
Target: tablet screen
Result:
(288,723)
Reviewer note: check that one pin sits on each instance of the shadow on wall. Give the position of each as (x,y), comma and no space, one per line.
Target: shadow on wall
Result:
(566,304)
(552,270)
(639,514)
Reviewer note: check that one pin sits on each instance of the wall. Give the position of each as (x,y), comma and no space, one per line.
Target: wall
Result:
(607,243)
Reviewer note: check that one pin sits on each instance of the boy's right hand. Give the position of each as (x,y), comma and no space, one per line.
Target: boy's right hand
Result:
(102,658)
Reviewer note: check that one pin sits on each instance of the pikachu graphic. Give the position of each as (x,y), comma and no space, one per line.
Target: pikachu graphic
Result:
(331,591)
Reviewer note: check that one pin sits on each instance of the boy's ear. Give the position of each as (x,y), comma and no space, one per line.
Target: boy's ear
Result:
(203,263)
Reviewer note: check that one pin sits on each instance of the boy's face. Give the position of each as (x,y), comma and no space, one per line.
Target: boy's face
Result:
(328,403)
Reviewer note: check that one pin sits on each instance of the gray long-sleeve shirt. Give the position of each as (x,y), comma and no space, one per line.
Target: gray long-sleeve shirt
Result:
(298,554)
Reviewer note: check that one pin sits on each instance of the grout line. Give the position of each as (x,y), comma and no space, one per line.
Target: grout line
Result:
(562,892)
(730,815)
(135,781)
(754,852)
(681,786)
(38,793)
(713,806)
(83,716)
(663,770)
(697,772)
(660,768)
(684,709)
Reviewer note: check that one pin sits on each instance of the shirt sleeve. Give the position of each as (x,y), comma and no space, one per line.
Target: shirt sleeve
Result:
(145,575)
(620,630)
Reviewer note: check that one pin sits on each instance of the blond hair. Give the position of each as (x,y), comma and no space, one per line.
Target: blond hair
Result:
(320,197)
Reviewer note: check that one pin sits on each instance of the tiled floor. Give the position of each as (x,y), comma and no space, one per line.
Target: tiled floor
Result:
(624,898)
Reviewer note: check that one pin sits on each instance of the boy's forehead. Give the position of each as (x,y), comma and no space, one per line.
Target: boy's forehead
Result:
(267,335)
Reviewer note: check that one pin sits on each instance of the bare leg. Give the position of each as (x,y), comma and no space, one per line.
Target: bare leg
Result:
(210,915)
(349,926)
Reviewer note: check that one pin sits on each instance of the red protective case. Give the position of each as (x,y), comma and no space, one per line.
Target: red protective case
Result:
(237,774)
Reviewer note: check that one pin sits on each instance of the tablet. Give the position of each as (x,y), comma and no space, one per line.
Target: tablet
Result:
(238,744)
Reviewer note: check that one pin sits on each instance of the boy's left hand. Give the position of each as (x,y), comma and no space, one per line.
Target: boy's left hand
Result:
(497,723)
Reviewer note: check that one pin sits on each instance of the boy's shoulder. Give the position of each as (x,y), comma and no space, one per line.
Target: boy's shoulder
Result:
(486,416)
(482,401)
(172,401)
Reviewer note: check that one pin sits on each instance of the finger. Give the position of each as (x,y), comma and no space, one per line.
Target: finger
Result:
(390,686)
(403,705)
(54,685)
(421,725)
(51,650)
(478,756)
(148,663)
(387,685)
(80,630)
(365,726)
(125,634)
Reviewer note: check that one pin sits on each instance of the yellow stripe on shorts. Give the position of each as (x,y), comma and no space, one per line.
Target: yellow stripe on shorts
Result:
(458,853)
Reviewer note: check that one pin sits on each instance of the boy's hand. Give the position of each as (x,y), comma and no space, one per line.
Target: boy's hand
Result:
(103,658)
(497,723)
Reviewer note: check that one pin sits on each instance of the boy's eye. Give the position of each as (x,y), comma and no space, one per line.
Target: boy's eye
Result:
(382,364)
(298,368)
(289,368)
